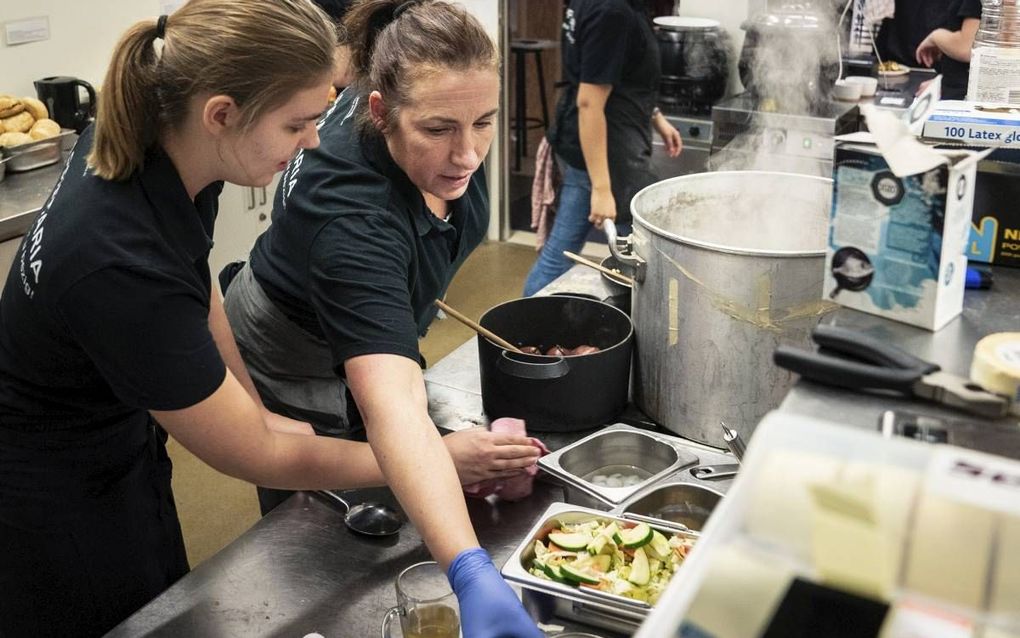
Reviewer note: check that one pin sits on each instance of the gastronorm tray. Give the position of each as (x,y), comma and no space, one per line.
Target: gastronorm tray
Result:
(617,445)
(37,154)
(546,599)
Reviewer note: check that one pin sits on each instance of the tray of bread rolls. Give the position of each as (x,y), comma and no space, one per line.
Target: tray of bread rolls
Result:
(28,138)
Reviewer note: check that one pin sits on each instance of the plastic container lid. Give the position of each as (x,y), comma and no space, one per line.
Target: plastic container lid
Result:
(685,23)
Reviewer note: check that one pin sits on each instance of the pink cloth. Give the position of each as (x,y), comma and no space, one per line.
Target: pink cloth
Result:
(543,192)
(516,488)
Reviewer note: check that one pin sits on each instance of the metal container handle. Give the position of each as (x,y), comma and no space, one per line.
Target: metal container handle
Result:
(539,371)
(617,246)
(659,522)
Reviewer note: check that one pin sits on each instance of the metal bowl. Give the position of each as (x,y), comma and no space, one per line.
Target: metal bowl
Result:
(618,448)
(685,503)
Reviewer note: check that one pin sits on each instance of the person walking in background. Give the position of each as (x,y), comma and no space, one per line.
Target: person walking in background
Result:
(602,134)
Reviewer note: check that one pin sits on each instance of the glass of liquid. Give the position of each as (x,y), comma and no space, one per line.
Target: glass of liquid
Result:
(426,606)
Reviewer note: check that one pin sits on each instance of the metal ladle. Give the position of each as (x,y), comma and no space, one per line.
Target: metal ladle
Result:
(371,519)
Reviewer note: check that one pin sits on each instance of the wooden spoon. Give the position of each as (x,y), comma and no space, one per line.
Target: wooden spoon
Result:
(620,277)
(485,332)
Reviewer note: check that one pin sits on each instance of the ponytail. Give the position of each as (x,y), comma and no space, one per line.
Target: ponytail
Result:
(257,52)
(126,119)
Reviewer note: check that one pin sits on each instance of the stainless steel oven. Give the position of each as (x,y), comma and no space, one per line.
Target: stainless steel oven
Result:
(696,132)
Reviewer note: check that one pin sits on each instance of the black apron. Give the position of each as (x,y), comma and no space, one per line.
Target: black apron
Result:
(89,531)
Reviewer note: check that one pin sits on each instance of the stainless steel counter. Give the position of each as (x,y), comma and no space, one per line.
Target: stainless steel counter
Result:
(299,570)
(21,197)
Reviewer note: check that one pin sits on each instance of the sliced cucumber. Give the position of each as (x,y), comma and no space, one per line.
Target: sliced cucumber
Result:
(598,544)
(569,542)
(554,572)
(639,573)
(579,575)
(658,547)
(602,562)
(637,536)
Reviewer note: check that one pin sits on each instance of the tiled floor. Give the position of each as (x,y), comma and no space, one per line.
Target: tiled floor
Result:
(215,509)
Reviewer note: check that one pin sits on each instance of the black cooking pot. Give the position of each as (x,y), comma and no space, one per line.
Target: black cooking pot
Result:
(556,393)
(693,55)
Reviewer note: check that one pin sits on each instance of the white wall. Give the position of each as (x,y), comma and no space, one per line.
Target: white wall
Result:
(82,36)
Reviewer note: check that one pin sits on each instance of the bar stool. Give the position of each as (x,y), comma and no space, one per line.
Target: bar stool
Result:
(521,122)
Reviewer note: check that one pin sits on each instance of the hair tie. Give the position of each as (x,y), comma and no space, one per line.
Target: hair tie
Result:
(161,27)
(402,8)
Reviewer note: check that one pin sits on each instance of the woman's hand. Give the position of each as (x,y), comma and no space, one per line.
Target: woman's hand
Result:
(480,455)
(670,136)
(928,52)
(603,206)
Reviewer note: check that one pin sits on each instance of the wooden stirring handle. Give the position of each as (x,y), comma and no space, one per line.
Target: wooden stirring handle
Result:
(485,332)
(616,276)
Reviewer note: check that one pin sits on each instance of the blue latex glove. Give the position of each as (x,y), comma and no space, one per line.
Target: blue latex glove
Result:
(488,607)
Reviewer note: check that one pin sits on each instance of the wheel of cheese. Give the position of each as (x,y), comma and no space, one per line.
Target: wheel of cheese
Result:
(996,365)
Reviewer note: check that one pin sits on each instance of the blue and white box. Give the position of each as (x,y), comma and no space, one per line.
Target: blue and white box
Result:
(897,242)
(958,122)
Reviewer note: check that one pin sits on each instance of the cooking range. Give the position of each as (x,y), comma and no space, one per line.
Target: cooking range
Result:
(757,133)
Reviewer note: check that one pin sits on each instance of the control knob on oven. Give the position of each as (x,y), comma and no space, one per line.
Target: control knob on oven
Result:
(694,131)
(775,139)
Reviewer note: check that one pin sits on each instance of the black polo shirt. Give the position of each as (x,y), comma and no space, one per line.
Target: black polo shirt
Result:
(611,42)
(899,37)
(105,311)
(956,74)
(354,255)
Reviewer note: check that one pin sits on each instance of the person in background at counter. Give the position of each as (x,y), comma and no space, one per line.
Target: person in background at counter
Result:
(899,36)
(113,334)
(368,230)
(948,48)
(602,135)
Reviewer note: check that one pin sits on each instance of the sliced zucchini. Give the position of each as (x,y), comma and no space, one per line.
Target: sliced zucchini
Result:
(579,575)
(658,547)
(637,536)
(602,562)
(639,572)
(569,542)
(554,572)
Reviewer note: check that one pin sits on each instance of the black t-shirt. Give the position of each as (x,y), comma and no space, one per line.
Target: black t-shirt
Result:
(354,255)
(611,42)
(899,37)
(105,310)
(955,74)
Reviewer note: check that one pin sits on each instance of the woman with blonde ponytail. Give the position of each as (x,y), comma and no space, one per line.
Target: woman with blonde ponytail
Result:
(113,334)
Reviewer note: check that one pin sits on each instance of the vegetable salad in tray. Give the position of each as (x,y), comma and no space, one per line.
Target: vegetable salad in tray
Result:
(612,556)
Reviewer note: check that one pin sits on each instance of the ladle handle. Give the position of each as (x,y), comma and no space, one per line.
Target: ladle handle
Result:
(337,498)
(485,332)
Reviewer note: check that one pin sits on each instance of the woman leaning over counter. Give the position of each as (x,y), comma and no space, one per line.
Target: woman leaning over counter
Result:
(368,230)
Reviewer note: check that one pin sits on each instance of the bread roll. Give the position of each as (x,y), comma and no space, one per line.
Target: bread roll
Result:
(44,128)
(20,123)
(14,139)
(10,106)
(35,107)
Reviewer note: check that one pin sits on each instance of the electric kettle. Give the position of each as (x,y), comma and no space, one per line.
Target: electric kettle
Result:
(62,96)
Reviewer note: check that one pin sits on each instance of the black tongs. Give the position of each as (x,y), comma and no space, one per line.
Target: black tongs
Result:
(850,359)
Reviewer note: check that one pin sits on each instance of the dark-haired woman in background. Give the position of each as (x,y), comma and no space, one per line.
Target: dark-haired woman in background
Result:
(368,230)
(113,334)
